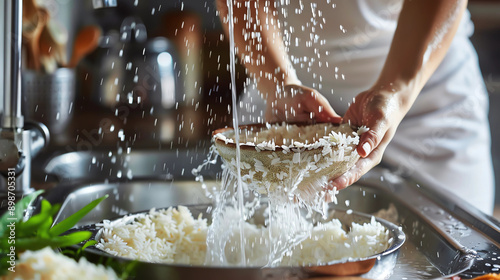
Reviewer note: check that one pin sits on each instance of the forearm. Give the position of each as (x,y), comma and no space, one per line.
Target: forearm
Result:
(259,43)
(424,33)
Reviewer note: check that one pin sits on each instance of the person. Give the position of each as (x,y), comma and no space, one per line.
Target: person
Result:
(405,69)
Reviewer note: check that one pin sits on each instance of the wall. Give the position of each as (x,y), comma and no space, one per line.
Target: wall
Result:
(486,40)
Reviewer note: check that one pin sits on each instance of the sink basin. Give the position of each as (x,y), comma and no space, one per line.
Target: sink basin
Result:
(105,165)
(125,198)
(445,236)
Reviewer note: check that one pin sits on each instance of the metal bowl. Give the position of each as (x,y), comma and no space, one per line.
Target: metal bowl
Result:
(377,264)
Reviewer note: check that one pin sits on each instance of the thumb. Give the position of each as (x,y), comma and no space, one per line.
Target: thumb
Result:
(370,140)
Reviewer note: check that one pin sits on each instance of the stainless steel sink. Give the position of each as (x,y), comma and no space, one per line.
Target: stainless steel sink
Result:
(125,198)
(445,236)
(120,165)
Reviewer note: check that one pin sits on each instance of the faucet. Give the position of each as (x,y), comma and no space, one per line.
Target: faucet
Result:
(19,141)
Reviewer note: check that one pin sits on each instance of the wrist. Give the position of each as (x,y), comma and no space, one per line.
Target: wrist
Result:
(404,92)
(288,78)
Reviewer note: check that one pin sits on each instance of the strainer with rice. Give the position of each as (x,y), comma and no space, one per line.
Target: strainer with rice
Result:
(292,159)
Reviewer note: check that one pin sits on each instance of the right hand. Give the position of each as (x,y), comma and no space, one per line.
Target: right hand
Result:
(381,110)
(300,104)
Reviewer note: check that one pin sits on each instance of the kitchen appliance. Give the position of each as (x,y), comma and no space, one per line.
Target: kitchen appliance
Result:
(49,98)
(136,72)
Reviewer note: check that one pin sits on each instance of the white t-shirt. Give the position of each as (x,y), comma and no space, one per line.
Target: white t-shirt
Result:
(338,47)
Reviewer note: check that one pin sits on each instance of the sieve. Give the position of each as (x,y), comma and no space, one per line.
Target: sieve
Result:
(298,159)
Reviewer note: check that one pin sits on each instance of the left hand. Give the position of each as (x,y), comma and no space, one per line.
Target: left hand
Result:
(381,110)
(300,104)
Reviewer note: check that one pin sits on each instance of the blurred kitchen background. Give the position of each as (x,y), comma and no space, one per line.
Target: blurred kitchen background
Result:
(126,90)
(486,39)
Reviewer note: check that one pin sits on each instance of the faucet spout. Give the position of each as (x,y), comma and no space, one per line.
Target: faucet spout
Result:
(18,143)
(13,14)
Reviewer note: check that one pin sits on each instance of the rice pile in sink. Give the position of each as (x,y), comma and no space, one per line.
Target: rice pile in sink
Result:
(45,264)
(161,236)
(174,236)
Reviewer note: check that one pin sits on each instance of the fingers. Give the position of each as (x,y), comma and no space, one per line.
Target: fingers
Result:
(378,135)
(362,166)
(378,111)
(321,109)
(280,111)
(301,104)
(354,174)
(359,169)
(371,139)
(368,141)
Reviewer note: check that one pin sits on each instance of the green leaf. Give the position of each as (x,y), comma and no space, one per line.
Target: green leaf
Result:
(129,270)
(46,206)
(72,238)
(44,228)
(88,243)
(15,215)
(69,253)
(37,243)
(38,224)
(79,252)
(55,209)
(30,227)
(4,265)
(72,220)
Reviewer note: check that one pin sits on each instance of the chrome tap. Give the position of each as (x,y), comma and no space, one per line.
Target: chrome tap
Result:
(19,142)
(13,14)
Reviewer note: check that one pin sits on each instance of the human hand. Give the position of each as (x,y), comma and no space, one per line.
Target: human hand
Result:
(381,110)
(300,104)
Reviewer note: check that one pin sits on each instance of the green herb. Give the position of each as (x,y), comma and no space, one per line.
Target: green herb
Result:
(73,219)
(36,232)
(78,253)
(17,214)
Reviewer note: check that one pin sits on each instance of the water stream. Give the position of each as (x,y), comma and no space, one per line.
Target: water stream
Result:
(232,70)
(284,220)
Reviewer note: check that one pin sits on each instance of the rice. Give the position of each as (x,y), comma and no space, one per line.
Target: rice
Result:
(289,136)
(330,242)
(160,236)
(48,265)
(174,236)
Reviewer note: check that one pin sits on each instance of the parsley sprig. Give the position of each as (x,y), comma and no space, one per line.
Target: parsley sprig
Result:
(37,232)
